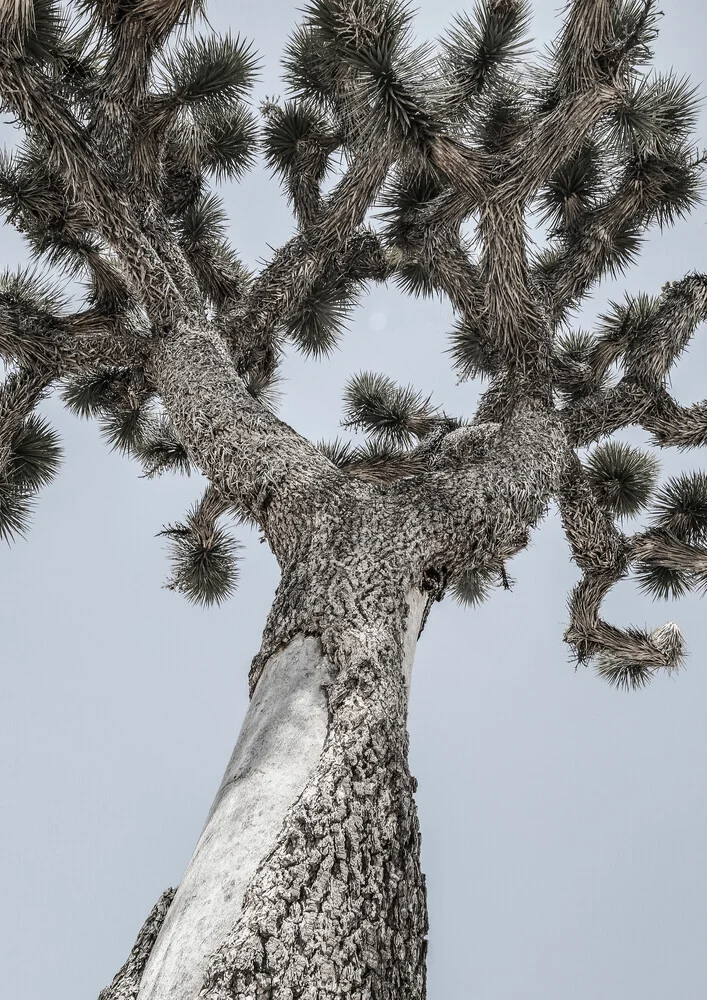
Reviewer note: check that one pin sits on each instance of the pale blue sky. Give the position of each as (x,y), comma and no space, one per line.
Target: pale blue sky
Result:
(564,824)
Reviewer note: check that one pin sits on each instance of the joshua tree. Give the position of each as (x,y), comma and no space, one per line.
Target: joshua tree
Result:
(306,881)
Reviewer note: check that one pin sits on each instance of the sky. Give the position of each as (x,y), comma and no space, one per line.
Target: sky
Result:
(564,823)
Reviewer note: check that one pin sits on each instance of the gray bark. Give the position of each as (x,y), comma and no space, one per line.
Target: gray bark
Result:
(306,876)
(278,748)
(306,881)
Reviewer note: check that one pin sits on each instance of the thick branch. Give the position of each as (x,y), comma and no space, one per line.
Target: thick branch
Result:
(252,458)
(663,549)
(583,40)
(511,315)
(549,142)
(607,236)
(29,93)
(655,348)
(676,426)
(489,484)
(66,343)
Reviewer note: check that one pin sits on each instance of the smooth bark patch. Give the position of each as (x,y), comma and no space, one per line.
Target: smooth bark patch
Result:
(276,753)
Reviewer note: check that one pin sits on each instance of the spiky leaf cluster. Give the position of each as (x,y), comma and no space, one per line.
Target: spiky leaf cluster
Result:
(475,586)
(122,407)
(623,477)
(201,234)
(478,46)
(160,450)
(574,369)
(679,516)
(297,136)
(318,323)
(392,413)
(203,557)
(375,461)
(32,461)
(217,70)
(572,189)
(681,507)
(354,56)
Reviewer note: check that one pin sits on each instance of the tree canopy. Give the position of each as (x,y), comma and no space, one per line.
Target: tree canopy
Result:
(404,163)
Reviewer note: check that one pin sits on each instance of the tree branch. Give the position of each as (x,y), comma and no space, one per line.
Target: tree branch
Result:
(650,339)
(69,342)
(586,33)
(252,459)
(487,486)
(625,658)
(606,237)
(282,288)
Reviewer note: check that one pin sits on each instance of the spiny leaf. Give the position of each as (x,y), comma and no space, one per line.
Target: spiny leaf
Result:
(374,461)
(360,29)
(623,477)
(227,141)
(410,189)
(340,453)
(35,454)
(681,507)
(477,46)
(161,451)
(218,68)
(669,184)
(634,28)
(297,136)
(620,248)
(157,17)
(125,427)
(36,27)
(625,322)
(29,288)
(572,189)
(372,38)
(15,511)
(472,354)
(30,309)
(203,556)
(393,413)
(320,319)
(160,17)
(264,385)
(308,66)
(500,117)
(661,582)
(204,221)
(661,112)
(474,586)
(201,232)
(89,393)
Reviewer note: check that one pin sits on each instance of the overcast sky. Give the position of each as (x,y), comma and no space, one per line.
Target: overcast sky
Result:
(564,824)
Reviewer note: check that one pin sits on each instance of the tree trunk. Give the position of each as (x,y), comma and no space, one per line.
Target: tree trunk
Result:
(306,882)
(306,879)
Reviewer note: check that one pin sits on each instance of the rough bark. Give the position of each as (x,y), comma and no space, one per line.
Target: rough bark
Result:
(306,880)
